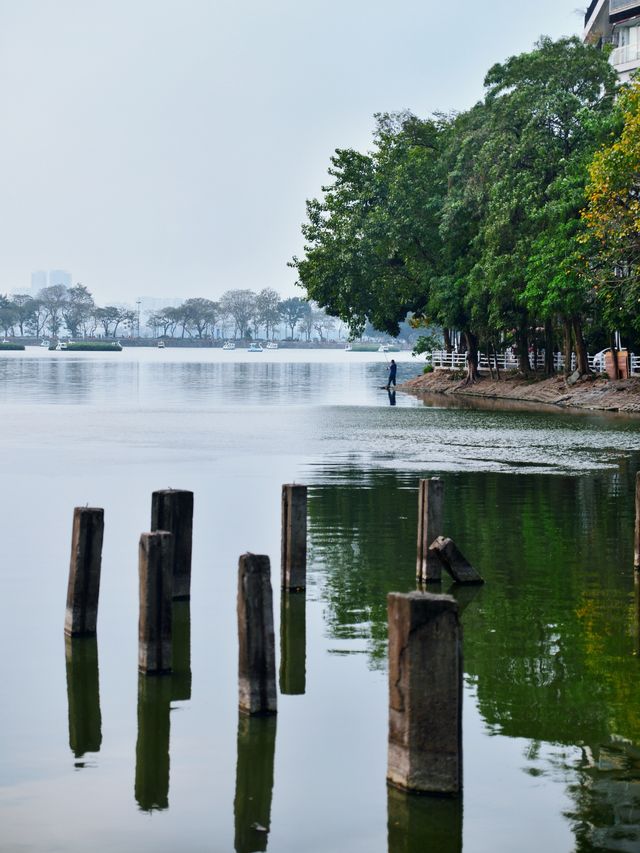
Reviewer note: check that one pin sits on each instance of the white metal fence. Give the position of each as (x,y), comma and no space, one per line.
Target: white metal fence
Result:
(508,361)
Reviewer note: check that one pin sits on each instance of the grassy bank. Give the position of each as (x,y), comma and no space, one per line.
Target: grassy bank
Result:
(89,346)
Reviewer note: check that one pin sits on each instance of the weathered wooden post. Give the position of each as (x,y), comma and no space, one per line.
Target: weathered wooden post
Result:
(154,625)
(294,537)
(84,572)
(430,526)
(256,638)
(172,510)
(425,693)
(636,555)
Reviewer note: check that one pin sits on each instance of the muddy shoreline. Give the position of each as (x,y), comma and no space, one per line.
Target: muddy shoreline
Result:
(597,394)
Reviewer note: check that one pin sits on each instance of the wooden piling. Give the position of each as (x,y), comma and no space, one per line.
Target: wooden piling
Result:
(256,638)
(84,572)
(294,537)
(155,621)
(172,510)
(636,550)
(425,693)
(430,526)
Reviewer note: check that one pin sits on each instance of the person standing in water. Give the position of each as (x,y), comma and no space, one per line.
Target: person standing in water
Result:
(393,369)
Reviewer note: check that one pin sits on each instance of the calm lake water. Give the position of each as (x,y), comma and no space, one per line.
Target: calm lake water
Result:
(94,758)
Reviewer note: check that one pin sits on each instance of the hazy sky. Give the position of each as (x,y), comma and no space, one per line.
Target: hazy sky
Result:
(166,147)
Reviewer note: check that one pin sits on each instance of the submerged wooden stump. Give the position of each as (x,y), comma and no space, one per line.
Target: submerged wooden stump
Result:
(172,510)
(156,585)
(256,637)
(294,537)
(425,693)
(430,525)
(454,561)
(84,572)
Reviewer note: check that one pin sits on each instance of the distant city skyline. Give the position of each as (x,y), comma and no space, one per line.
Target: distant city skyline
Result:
(168,148)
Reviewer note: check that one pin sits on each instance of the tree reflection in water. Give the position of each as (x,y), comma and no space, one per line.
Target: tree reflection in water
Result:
(549,643)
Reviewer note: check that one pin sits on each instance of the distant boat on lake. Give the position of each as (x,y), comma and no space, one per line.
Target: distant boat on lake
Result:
(228,345)
(272,345)
(348,348)
(161,344)
(254,348)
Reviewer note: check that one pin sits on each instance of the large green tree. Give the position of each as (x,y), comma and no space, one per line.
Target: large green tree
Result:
(443,216)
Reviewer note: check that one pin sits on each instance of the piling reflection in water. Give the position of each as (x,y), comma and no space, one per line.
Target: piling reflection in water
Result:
(181,652)
(293,643)
(83,693)
(254,782)
(152,748)
(425,824)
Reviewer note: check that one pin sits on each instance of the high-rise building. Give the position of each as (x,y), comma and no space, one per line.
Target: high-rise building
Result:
(59,277)
(616,22)
(39,279)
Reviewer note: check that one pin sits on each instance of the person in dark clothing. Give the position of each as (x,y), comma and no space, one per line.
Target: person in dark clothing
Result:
(393,369)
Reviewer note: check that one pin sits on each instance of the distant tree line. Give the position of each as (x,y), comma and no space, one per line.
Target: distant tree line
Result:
(237,314)
(515,223)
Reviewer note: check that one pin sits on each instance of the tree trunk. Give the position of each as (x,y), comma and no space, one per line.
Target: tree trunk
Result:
(549,366)
(495,360)
(581,349)
(566,328)
(522,342)
(471,342)
(614,353)
(448,346)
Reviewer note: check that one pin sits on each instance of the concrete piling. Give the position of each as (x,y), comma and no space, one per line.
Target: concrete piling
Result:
(430,526)
(155,621)
(256,638)
(294,537)
(172,510)
(425,693)
(84,572)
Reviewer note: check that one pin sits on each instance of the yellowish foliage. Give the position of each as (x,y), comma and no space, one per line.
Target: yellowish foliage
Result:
(613,212)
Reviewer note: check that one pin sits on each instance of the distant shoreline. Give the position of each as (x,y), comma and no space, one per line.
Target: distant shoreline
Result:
(196,343)
(597,394)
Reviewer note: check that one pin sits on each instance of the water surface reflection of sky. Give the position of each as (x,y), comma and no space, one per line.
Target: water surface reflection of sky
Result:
(92,758)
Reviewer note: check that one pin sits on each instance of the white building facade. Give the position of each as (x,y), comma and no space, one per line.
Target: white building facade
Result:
(616,22)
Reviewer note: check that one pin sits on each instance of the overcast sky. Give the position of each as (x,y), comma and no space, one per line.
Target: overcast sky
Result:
(166,147)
